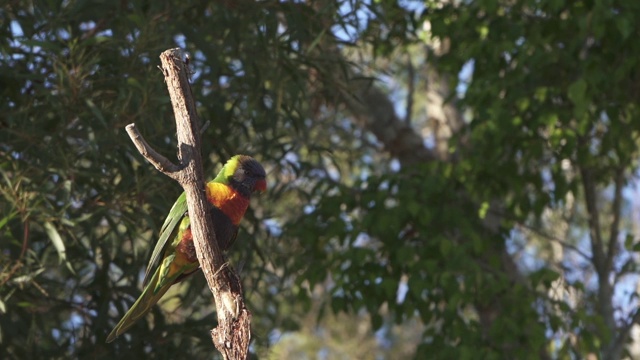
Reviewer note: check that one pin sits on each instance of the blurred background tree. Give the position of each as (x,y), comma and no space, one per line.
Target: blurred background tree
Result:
(447,179)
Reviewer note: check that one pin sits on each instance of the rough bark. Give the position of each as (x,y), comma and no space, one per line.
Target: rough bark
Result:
(232,335)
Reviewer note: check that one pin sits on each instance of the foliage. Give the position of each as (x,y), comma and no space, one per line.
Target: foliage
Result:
(513,237)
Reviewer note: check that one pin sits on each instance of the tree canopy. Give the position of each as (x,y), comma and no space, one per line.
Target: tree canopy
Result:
(447,179)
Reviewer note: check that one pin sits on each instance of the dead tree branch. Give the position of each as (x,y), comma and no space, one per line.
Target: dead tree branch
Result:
(232,335)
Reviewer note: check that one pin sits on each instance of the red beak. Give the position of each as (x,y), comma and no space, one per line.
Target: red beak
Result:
(261,185)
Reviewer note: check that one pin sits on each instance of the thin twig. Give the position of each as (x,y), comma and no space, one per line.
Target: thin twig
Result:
(411,74)
(562,243)
(616,208)
(160,162)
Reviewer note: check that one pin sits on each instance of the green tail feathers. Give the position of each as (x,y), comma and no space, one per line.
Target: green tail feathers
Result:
(174,253)
(141,307)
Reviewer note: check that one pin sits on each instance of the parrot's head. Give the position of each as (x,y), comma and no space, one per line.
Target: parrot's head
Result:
(244,174)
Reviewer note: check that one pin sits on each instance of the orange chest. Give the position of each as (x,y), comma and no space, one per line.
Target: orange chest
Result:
(229,201)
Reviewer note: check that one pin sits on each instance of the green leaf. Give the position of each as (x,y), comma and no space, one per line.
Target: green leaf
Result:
(482,212)
(316,41)
(577,94)
(7,218)
(95,110)
(56,239)
(389,287)
(413,207)
(24,279)
(629,244)
(544,276)
(625,26)
(404,255)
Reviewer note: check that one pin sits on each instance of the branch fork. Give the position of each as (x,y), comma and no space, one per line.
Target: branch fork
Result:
(232,335)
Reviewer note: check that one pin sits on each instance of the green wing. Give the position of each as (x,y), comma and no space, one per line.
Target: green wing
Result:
(161,281)
(168,231)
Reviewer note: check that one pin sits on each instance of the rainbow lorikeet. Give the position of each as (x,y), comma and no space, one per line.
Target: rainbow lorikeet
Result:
(229,194)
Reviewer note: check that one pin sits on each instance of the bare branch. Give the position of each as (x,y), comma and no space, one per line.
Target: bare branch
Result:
(411,78)
(592,217)
(617,344)
(160,162)
(600,262)
(233,333)
(562,243)
(376,113)
(616,208)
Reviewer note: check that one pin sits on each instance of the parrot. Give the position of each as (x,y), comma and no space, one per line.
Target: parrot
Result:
(229,194)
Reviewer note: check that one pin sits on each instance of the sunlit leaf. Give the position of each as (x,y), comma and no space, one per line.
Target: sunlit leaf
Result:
(58,243)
